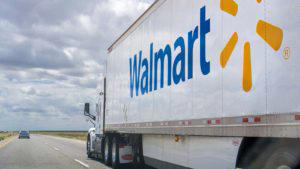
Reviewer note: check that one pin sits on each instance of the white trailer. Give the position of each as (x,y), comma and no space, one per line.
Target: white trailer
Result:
(203,84)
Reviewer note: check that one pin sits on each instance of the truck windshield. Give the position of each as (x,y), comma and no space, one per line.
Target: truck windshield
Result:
(24,132)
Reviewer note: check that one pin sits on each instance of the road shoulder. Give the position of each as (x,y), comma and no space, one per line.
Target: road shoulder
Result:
(7,141)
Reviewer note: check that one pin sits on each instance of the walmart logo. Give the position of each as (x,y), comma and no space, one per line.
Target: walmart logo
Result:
(145,71)
(270,33)
(147,74)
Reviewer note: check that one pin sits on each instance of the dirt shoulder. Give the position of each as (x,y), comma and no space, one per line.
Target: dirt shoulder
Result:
(78,135)
(6,140)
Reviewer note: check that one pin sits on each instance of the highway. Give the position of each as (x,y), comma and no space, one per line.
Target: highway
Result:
(46,152)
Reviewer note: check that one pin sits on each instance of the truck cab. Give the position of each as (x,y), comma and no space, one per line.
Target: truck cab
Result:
(113,148)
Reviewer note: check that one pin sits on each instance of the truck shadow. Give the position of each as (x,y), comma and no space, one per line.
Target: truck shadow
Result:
(126,166)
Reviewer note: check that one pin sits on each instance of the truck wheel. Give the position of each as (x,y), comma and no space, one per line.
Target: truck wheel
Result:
(283,158)
(115,157)
(102,149)
(88,147)
(107,151)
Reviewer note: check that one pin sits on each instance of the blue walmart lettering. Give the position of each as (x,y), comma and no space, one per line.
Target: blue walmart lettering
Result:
(143,81)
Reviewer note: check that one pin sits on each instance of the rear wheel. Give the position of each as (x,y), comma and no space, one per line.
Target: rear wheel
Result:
(283,158)
(115,157)
(277,154)
(107,151)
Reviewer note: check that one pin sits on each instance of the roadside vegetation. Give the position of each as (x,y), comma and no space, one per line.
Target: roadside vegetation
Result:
(78,135)
(4,135)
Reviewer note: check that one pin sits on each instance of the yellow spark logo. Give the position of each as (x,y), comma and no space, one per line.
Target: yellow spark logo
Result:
(269,33)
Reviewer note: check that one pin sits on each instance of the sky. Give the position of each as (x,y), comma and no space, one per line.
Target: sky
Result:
(52,57)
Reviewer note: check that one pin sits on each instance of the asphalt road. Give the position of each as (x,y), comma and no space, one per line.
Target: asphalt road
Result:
(46,152)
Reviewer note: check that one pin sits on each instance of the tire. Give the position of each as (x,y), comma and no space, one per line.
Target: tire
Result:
(278,154)
(107,151)
(115,156)
(102,149)
(88,147)
(283,158)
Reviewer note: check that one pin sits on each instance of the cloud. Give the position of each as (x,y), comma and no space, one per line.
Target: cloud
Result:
(52,56)
(28,90)
(127,8)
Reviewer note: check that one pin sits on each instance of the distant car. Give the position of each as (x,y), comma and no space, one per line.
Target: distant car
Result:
(24,134)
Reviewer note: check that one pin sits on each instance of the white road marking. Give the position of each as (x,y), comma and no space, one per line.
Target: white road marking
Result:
(57,149)
(82,163)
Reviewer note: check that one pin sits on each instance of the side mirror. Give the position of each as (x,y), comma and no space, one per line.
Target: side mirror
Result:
(87,109)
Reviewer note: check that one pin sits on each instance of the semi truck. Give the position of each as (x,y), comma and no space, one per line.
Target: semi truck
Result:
(202,84)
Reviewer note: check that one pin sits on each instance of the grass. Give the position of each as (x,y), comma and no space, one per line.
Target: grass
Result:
(78,135)
(4,135)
